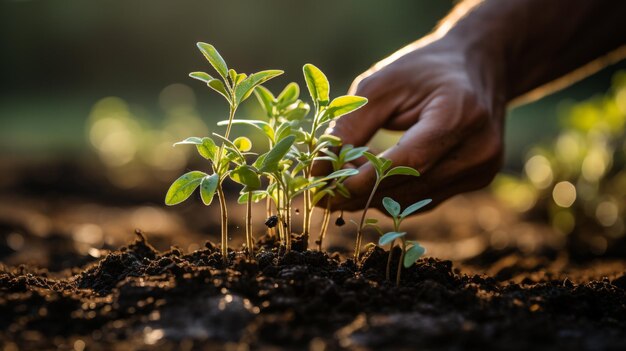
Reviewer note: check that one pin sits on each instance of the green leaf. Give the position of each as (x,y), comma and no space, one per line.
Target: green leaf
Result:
(402,170)
(273,157)
(201,76)
(190,140)
(342,190)
(208,187)
(246,87)
(208,149)
(266,99)
(240,78)
(392,207)
(261,125)
(339,174)
(245,175)
(232,74)
(257,196)
(343,105)
(376,162)
(389,237)
(416,206)
(298,112)
(331,139)
(183,187)
(318,85)
(214,58)
(243,144)
(218,86)
(319,195)
(412,254)
(288,96)
(236,154)
(353,153)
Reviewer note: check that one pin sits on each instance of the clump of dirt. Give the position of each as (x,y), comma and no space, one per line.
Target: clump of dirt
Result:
(139,298)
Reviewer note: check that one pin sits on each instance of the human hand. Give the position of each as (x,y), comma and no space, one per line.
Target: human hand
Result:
(449,98)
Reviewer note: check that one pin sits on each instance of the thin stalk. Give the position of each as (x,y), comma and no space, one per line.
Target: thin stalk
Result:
(388,270)
(325,222)
(249,242)
(268,213)
(359,233)
(220,191)
(400,262)
(287,221)
(396,228)
(279,213)
(224,217)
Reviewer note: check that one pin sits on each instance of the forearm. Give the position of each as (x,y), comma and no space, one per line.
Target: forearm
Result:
(535,42)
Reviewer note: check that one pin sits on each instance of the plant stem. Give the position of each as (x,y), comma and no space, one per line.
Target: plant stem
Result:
(220,191)
(224,212)
(325,222)
(400,262)
(359,233)
(388,270)
(287,220)
(268,213)
(249,242)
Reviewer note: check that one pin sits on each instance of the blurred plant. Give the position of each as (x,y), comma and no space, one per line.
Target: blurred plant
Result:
(577,180)
(134,149)
(411,253)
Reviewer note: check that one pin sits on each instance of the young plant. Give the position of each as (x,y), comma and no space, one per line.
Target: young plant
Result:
(411,250)
(346,154)
(235,88)
(383,169)
(326,111)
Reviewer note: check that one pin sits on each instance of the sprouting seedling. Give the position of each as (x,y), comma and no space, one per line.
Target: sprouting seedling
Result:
(283,114)
(346,154)
(235,88)
(325,111)
(411,250)
(383,169)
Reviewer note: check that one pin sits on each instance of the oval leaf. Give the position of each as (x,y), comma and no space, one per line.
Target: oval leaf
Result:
(412,254)
(416,206)
(402,170)
(273,157)
(288,96)
(257,196)
(243,144)
(343,105)
(208,187)
(190,141)
(392,207)
(218,86)
(389,237)
(266,99)
(183,187)
(245,175)
(214,58)
(246,87)
(201,76)
(318,85)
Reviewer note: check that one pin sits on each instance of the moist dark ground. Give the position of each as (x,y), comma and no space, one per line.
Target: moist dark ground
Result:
(139,298)
(57,292)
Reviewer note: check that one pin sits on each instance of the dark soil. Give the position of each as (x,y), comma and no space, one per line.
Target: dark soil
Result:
(139,298)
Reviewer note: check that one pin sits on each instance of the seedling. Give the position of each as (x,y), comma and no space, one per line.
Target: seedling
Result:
(411,250)
(235,88)
(383,169)
(346,154)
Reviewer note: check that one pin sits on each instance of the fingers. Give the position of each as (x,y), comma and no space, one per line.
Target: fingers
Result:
(469,166)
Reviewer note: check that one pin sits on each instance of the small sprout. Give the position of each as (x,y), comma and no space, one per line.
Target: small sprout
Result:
(383,169)
(411,250)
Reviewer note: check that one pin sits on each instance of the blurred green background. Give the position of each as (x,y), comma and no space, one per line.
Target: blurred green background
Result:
(58,58)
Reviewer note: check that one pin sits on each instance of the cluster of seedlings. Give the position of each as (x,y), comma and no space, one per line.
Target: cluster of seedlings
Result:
(282,172)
